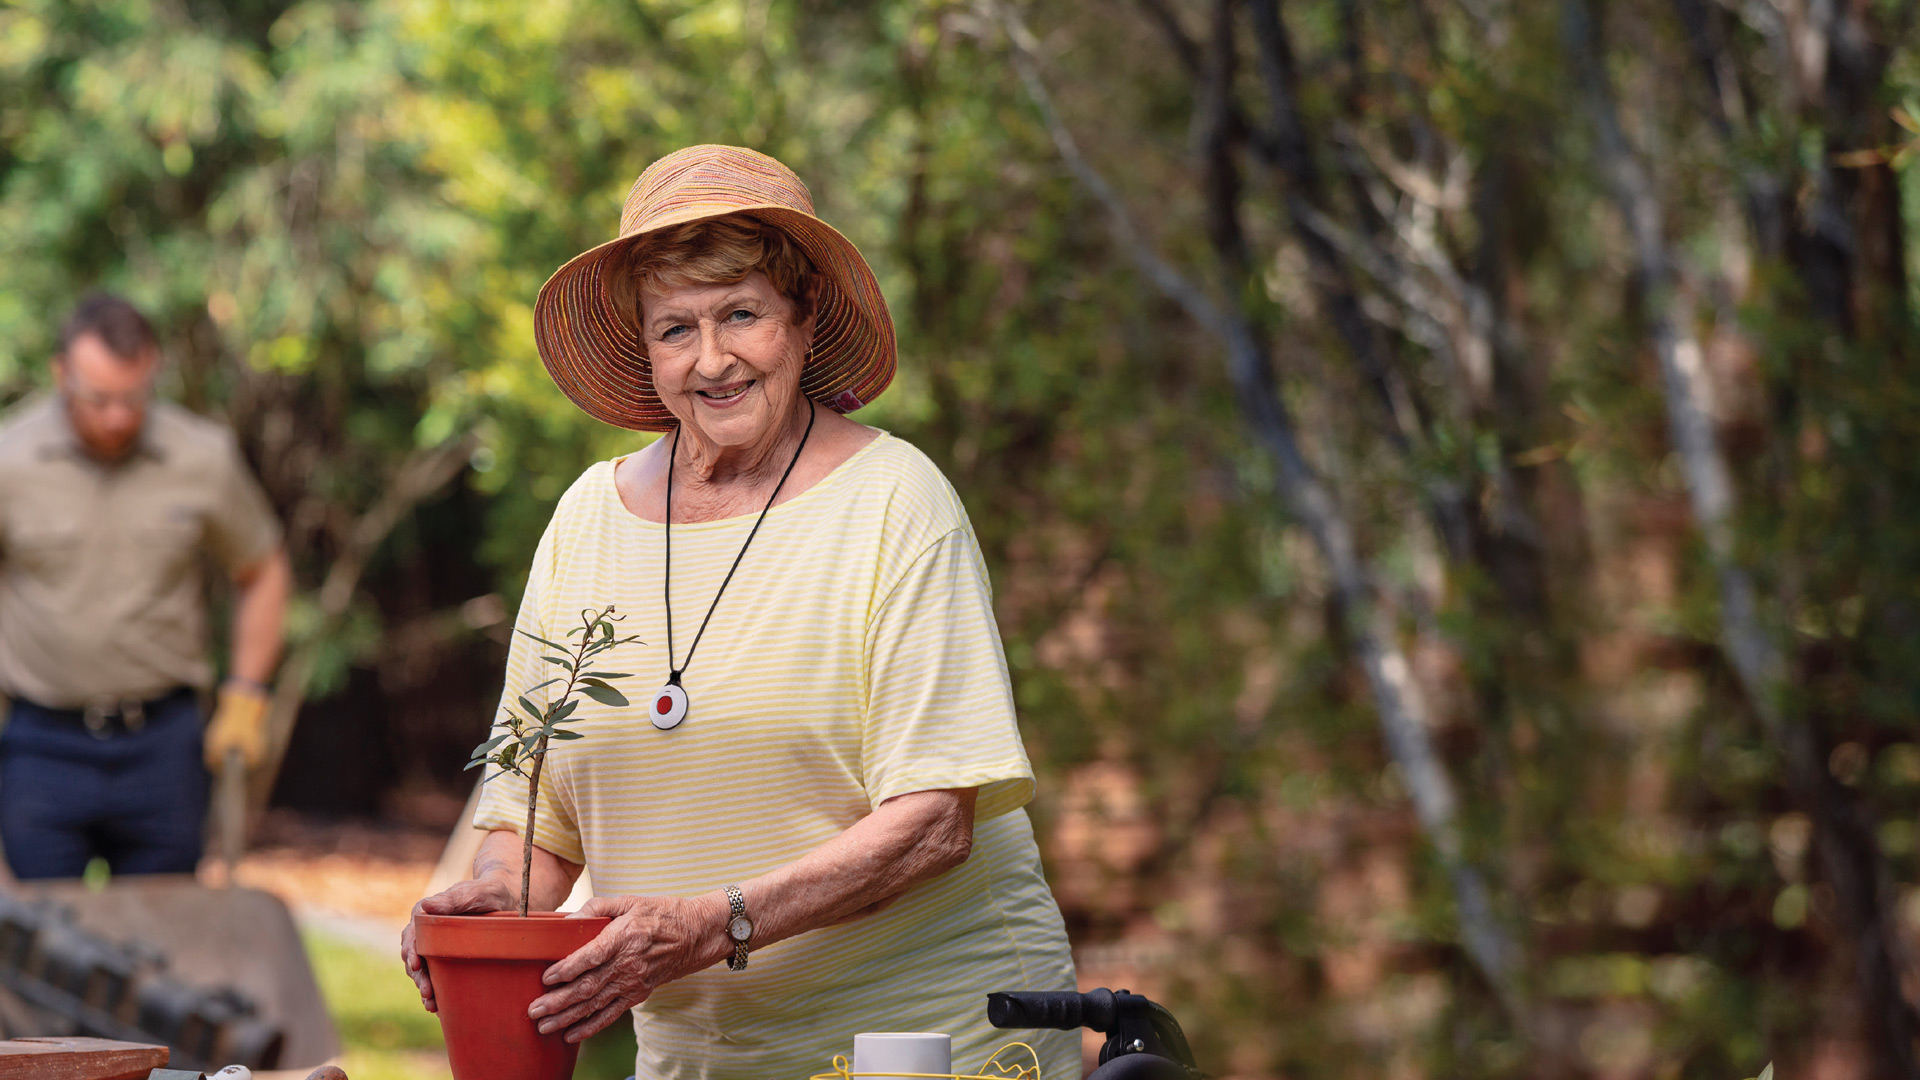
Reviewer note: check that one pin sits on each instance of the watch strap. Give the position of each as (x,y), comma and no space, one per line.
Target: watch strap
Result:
(737,907)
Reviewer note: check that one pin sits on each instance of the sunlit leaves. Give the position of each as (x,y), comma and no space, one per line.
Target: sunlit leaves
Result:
(528,731)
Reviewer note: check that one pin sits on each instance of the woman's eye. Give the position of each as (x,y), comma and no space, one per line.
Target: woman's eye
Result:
(673,333)
(739,315)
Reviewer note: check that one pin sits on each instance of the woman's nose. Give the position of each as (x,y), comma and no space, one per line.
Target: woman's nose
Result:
(713,361)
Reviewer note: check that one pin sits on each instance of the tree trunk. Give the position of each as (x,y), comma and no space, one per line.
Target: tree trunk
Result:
(424,472)
(1848,855)
(1401,707)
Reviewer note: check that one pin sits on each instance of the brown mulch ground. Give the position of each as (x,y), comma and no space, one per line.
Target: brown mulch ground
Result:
(365,869)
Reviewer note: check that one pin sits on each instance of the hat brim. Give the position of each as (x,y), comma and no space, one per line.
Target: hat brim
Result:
(594,354)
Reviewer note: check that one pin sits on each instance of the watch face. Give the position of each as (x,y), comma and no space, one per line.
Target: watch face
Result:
(740,929)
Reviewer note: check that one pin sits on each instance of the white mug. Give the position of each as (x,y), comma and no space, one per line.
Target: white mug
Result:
(893,1052)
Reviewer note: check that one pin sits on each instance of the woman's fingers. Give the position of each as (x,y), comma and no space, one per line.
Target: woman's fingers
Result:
(595,1024)
(562,998)
(586,957)
(588,997)
(463,898)
(615,971)
(605,906)
(416,966)
(579,1010)
(591,1011)
(467,898)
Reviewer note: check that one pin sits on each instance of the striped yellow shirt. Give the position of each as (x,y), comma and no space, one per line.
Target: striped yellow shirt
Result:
(853,658)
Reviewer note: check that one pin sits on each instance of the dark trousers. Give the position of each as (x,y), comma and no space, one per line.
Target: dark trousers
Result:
(134,798)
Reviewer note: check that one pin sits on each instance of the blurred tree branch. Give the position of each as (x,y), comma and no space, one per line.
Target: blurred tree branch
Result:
(418,477)
(1401,707)
(1846,844)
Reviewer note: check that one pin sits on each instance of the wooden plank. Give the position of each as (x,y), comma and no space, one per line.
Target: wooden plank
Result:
(78,1059)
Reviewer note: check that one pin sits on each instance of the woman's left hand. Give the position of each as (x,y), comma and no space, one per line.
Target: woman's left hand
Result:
(651,941)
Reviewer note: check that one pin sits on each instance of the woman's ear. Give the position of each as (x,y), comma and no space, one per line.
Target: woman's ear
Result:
(809,309)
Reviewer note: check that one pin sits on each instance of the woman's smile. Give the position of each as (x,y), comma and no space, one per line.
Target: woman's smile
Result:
(725,396)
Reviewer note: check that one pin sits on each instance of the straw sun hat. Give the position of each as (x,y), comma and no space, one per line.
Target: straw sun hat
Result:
(592,350)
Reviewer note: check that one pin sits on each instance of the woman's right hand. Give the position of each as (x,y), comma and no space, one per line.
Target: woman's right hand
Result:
(465,898)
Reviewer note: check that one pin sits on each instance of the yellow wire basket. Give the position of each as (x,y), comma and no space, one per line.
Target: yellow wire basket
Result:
(994,1069)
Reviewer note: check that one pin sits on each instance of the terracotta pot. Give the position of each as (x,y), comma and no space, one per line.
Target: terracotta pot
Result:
(486,970)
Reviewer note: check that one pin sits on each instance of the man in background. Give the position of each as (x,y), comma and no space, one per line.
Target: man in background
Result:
(111,506)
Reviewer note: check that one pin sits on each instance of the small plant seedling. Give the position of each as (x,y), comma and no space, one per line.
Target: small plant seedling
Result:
(521,748)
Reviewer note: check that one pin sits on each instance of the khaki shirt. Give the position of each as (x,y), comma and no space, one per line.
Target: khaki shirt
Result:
(102,590)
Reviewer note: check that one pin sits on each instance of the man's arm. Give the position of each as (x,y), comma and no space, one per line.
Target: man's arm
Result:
(259,617)
(240,720)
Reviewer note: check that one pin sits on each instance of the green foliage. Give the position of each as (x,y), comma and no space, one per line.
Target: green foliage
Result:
(520,747)
(527,734)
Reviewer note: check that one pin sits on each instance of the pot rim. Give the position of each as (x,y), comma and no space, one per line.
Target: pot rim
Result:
(504,935)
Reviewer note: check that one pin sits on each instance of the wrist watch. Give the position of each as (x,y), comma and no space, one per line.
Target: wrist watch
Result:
(739,928)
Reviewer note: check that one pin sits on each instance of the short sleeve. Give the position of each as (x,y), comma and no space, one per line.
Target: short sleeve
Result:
(939,704)
(241,526)
(503,800)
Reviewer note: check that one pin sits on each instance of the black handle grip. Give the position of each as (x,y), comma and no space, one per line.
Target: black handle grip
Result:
(1060,1010)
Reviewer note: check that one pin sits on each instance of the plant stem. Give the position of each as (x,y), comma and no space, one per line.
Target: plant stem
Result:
(533,803)
(540,759)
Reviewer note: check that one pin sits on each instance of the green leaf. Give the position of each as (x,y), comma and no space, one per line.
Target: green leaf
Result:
(481,752)
(544,641)
(604,694)
(563,662)
(567,736)
(562,711)
(598,676)
(1766,1073)
(529,706)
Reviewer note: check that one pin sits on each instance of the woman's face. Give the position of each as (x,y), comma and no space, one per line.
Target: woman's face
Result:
(727,358)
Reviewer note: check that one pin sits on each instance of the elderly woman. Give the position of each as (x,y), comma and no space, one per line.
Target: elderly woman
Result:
(815,826)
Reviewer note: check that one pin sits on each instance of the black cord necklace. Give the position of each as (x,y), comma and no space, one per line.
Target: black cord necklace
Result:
(670,704)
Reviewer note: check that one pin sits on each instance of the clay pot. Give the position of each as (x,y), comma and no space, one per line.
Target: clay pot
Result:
(486,970)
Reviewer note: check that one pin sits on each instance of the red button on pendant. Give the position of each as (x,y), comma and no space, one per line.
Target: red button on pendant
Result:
(669,708)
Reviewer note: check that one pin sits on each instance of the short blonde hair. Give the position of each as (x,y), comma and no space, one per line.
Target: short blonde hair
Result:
(718,251)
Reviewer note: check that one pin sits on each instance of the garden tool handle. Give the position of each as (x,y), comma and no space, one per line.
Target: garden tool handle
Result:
(230,807)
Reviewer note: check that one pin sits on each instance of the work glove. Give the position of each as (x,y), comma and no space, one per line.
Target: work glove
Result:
(239,723)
